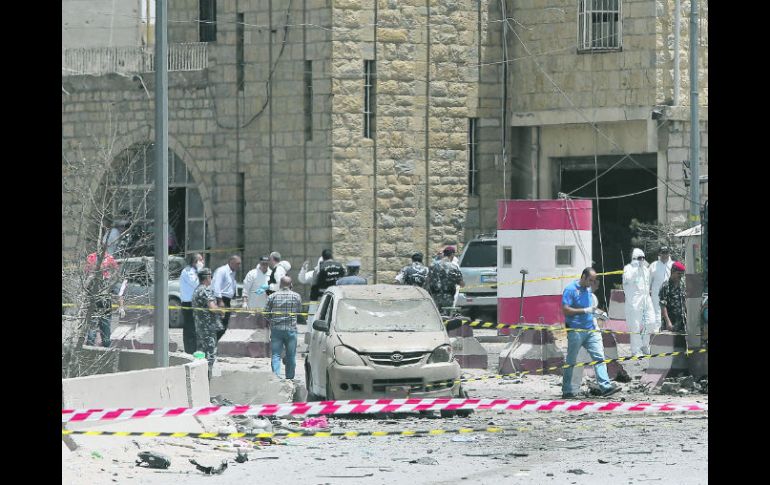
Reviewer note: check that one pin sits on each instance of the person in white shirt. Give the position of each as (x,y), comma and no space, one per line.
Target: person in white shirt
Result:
(660,271)
(278,270)
(188,281)
(255,284)
(225,288)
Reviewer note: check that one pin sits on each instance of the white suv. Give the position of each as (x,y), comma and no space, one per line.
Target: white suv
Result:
(478,264)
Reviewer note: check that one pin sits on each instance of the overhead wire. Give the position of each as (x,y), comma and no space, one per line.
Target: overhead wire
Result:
(587,120)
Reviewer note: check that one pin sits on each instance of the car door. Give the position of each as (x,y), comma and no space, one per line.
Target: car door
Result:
(317,348)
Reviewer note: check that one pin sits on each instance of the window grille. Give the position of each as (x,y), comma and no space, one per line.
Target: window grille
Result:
(369,99)
(600,26)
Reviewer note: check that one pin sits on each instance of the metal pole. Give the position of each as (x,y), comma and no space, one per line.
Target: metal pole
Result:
(677,29)
(160,333)
(694,118)
(524,273)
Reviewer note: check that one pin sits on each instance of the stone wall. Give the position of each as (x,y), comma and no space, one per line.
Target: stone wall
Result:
(405,190)
(665,47)
(221,132)
(549,30)
(677,149)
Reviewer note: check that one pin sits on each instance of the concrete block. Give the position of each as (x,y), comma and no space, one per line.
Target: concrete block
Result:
(469,353)
(136,337)
(243,381)
(244,343)
(663,367)
(534,351)
(242,320)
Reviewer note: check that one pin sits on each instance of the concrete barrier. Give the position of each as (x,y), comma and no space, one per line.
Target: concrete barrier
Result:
(240,342)
(469,353)
(534,351)
(244,381)
(184,384)
(663,367)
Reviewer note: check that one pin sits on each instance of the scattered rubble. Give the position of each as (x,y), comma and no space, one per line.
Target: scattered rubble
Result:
(210,470)
(153,460)
(684,385)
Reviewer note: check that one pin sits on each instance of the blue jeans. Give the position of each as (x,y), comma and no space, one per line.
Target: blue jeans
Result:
(279,338)
(592,341)
(103,322)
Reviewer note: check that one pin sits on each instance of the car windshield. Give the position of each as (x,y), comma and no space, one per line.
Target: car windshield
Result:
(480,254)
(387,316)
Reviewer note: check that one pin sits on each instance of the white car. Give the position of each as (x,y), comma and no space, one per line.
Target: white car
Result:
(140,290)
(372,341)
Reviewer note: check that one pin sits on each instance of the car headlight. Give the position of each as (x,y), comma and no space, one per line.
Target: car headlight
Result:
(346,356)
(441,354)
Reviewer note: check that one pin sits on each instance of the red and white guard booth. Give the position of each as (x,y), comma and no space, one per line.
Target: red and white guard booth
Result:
(547,238)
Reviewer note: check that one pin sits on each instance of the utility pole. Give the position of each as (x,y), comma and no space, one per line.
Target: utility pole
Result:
(160,333)
(694,118)
(677,37)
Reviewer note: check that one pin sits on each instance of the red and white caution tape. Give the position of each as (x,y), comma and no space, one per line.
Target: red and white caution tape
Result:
(371,406)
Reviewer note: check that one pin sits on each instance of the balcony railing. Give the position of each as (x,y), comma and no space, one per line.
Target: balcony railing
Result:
(125,60)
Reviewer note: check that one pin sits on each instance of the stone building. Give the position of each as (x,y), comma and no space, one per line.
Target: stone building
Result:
(589,87)
(373,127)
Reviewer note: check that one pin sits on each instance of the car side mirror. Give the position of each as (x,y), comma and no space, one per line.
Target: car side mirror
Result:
(454,324)
(321,325)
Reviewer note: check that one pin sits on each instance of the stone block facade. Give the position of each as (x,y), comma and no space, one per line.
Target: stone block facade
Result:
(266,183)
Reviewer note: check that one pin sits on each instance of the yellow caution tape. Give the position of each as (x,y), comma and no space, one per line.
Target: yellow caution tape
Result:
(464,289)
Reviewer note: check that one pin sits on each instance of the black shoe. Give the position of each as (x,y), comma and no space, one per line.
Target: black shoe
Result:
(612,390)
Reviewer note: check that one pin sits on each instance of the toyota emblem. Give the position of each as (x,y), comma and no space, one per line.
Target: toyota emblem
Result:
(396,357)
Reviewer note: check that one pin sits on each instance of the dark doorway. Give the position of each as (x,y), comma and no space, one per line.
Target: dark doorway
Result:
(617,213)
(176,220)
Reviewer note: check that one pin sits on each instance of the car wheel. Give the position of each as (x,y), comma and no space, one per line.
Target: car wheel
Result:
(329,390)
(174,316)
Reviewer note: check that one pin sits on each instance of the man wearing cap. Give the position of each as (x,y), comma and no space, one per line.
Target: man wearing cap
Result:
(672,300)
(639,313)
(255,285)
(352,277)
(443,279)
(207,318)
(415,274)
(284,312)
(660,271)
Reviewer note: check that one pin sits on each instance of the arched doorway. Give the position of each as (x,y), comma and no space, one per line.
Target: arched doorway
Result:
(132,188)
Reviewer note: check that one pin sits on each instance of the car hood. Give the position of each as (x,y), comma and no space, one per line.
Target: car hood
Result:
(365,342)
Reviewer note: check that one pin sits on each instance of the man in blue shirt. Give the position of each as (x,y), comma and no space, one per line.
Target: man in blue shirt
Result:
(578,308)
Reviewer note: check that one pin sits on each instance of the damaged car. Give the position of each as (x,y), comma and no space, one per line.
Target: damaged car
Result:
(380,341)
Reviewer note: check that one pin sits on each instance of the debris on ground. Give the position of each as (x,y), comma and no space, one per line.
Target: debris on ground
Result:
(96,454)
(315,423)
(153,459)
(684,385)
(242,457)
(577,471)
(464,439)
(210,470)
(425,460)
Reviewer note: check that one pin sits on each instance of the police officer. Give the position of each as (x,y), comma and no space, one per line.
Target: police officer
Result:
(352,278)
(415,274)
(207,319)
(329,271)
(443,279)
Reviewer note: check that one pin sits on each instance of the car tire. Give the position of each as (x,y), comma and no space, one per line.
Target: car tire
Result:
(175,319)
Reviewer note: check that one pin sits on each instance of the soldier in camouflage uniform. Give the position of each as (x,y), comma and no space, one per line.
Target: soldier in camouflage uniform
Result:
(443,280)
(207,320)
(672,300)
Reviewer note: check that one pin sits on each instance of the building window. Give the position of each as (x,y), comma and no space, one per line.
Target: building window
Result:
(239,51)
(370,100)
(208,20)
(132,185)
(473,168)
(599,25)
(507,256)
(564,255)
(308,100)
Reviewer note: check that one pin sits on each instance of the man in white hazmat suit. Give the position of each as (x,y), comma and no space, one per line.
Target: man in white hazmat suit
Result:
(639,312)
(660,271)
